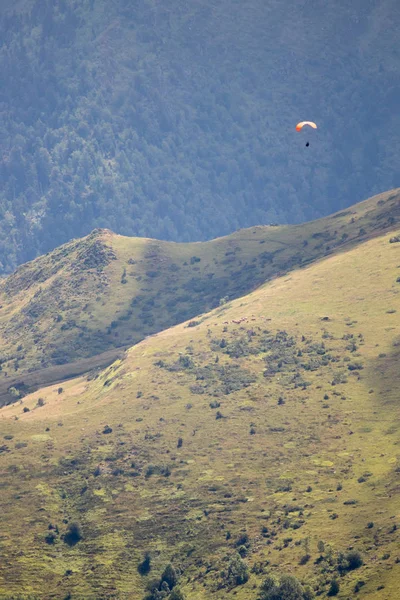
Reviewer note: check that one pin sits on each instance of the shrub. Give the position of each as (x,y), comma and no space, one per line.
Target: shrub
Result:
(334,588)
(73,535)
(243,540)
(358,586)
(152,587)
(20,445)
(186,361)
(40,402)
(354,560)
(177,594)
(151,469)
(350,561)
(357,366)
(180,442)
(60,390)
(288,588)
(197,389)
(50,538)
(193,323)
(215,404)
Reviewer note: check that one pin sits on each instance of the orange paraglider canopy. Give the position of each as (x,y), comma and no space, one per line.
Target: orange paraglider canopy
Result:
(300,126)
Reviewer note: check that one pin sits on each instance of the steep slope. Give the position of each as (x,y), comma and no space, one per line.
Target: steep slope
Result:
(174,119)
(107,291)
(270,428)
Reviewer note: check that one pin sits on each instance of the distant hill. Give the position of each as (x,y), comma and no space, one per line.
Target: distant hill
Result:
(260,439)
(78,306)
(175,119)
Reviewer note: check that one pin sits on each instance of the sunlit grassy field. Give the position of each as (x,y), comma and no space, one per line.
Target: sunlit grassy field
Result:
(107,291)
(270,423)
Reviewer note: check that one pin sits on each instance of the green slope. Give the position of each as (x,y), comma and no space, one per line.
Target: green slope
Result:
(108,291)
(303,372)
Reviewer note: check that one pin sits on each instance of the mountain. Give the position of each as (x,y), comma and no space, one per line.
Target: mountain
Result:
(79,306)
(175,120)
(259,439)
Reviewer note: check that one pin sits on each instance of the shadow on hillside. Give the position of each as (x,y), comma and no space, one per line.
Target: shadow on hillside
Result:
(30,382)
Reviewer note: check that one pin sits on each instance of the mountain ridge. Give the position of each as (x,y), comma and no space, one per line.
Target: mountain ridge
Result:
(268,426)
(107,291)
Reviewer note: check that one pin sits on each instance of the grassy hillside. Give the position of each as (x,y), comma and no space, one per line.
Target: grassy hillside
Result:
(175,119)
(107,291)
(270,429)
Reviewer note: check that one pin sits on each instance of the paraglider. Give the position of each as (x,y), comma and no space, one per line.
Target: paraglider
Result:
(302,124)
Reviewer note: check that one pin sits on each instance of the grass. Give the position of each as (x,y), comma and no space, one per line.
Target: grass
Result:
(291,483)
(108,292)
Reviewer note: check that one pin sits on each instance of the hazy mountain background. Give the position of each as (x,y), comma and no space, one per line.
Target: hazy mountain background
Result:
(175,119)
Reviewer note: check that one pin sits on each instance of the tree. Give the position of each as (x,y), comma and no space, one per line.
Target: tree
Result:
(165,587)
(290,588)
(287,588)
(144,567)
(238,572)
(170,576)
(268,588)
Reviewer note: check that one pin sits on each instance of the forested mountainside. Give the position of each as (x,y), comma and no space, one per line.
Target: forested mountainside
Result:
(251,456)
(174,119)
(94,296)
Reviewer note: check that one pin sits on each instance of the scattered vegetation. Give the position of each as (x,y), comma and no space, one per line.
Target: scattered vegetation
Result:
(200,417)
